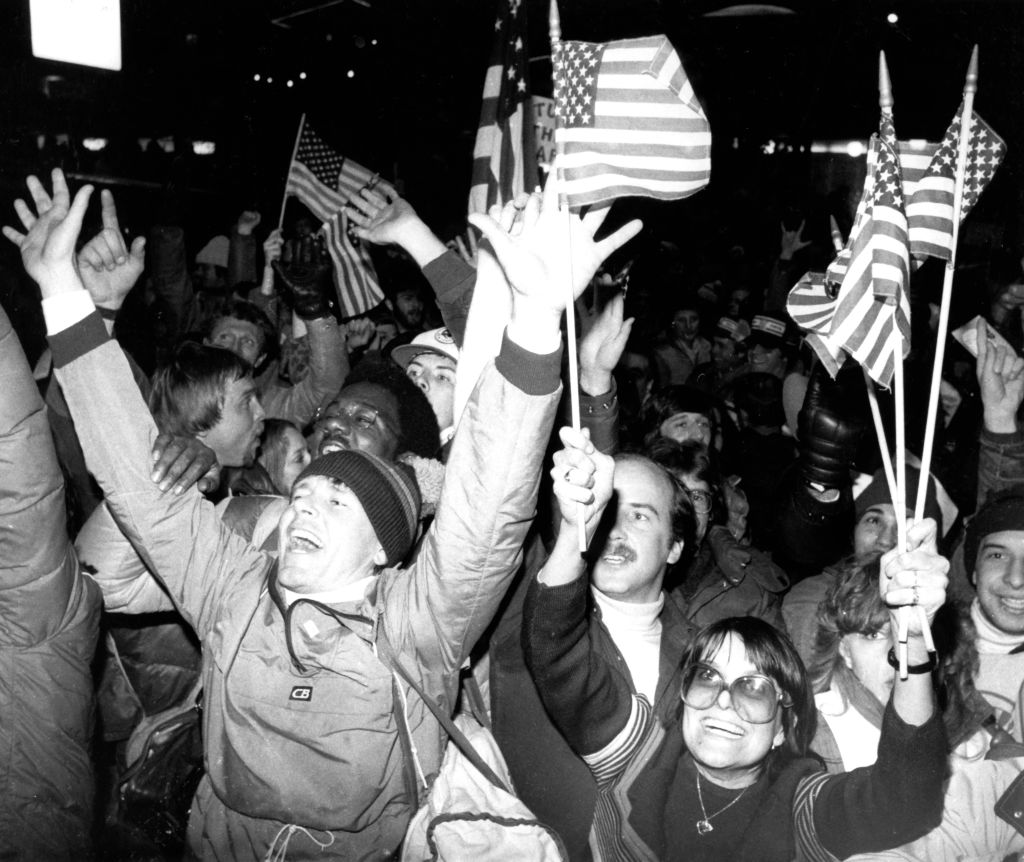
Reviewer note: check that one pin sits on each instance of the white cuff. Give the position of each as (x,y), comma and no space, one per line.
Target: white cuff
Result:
(66,309)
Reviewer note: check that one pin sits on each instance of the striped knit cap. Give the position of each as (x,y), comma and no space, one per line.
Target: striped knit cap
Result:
(387,491)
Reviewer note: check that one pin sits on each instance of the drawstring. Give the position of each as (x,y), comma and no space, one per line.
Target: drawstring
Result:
(278,854)
(405,717)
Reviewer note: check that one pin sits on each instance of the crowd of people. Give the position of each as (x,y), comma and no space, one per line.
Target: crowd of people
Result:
(313,531)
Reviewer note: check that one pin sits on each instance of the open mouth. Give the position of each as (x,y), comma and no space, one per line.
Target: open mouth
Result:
(303,542)
(332,444)
(1014,606)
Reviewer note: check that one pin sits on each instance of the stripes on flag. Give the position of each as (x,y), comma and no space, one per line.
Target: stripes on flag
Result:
(630,122)
(872,314)
(930,204)
(355,278)
(504,159)
(812,305)
(353,177)
(313,175)
(324,180)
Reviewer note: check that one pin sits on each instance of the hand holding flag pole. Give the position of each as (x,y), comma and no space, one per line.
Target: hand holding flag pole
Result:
(555,35)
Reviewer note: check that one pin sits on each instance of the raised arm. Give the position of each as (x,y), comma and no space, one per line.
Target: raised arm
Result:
(386,218)
(1001,379)
(589,702)
(490,492)
(899,798)
(304,274)
(180,538)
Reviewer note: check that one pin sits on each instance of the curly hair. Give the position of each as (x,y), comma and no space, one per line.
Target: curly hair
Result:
(852,605)
(419,432)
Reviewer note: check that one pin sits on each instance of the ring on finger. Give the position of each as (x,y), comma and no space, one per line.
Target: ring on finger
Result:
(917,596)
(567,473)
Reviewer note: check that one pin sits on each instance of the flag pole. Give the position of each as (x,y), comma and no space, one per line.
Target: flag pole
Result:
(885,102)
(970,88)
(295,151)
(837,237)
(555,36)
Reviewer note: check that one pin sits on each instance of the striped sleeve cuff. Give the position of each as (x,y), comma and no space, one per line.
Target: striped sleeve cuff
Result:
(607,764)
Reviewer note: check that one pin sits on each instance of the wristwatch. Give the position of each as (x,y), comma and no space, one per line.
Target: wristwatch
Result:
(924,667)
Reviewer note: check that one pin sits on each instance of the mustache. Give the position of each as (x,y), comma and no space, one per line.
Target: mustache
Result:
(620,549)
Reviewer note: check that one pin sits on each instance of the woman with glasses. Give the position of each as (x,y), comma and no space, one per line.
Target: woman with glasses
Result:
(729,778)
(721,578)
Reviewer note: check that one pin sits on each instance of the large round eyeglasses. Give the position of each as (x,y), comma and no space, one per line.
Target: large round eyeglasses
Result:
(755,696)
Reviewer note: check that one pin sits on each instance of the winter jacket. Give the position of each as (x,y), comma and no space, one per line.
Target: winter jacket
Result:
(49,618)
(983,818)
(715,588)
(800,814)
(301,718)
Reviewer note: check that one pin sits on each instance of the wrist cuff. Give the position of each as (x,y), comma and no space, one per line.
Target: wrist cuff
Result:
(78,339)
(533,373)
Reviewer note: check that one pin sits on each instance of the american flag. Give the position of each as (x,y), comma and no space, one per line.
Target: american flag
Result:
(872,313)
(354,275)
(930,205)
(812,306)
(313,175)
(324,180)
(630,122)
(505,158)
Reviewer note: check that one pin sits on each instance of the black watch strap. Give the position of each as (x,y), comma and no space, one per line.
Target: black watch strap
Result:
(924,667)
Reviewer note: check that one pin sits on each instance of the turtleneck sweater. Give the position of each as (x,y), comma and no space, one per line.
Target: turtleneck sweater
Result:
(635,628)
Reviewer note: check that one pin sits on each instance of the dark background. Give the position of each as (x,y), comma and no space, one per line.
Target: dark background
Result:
(411,109)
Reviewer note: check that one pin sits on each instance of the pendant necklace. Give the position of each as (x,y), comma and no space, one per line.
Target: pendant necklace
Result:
(704,826)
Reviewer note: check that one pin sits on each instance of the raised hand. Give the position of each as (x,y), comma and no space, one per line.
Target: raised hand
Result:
(1001,378)
(359,332)
(305,270)
(107,267)
(604,338)
(247,222)
(554,253)
(48,245)
(915,578)
(273,246)
(581,474)
(381,219)
(792,241)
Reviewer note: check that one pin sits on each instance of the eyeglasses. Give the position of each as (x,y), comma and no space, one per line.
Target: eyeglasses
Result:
(701,500)
(360,415)
(754,697)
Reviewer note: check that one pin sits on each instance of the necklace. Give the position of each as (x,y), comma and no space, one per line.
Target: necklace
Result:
(704,826)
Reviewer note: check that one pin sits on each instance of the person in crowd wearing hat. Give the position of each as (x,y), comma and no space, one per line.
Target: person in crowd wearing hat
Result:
(431,360)
(303,720)
(728,357)
(682,348)
(767,345)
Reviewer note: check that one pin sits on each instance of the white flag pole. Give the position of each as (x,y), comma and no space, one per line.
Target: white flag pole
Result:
(555,35)
(295,150)
(970,88)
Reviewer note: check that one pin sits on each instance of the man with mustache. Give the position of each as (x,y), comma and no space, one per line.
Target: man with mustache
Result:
(649,526)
